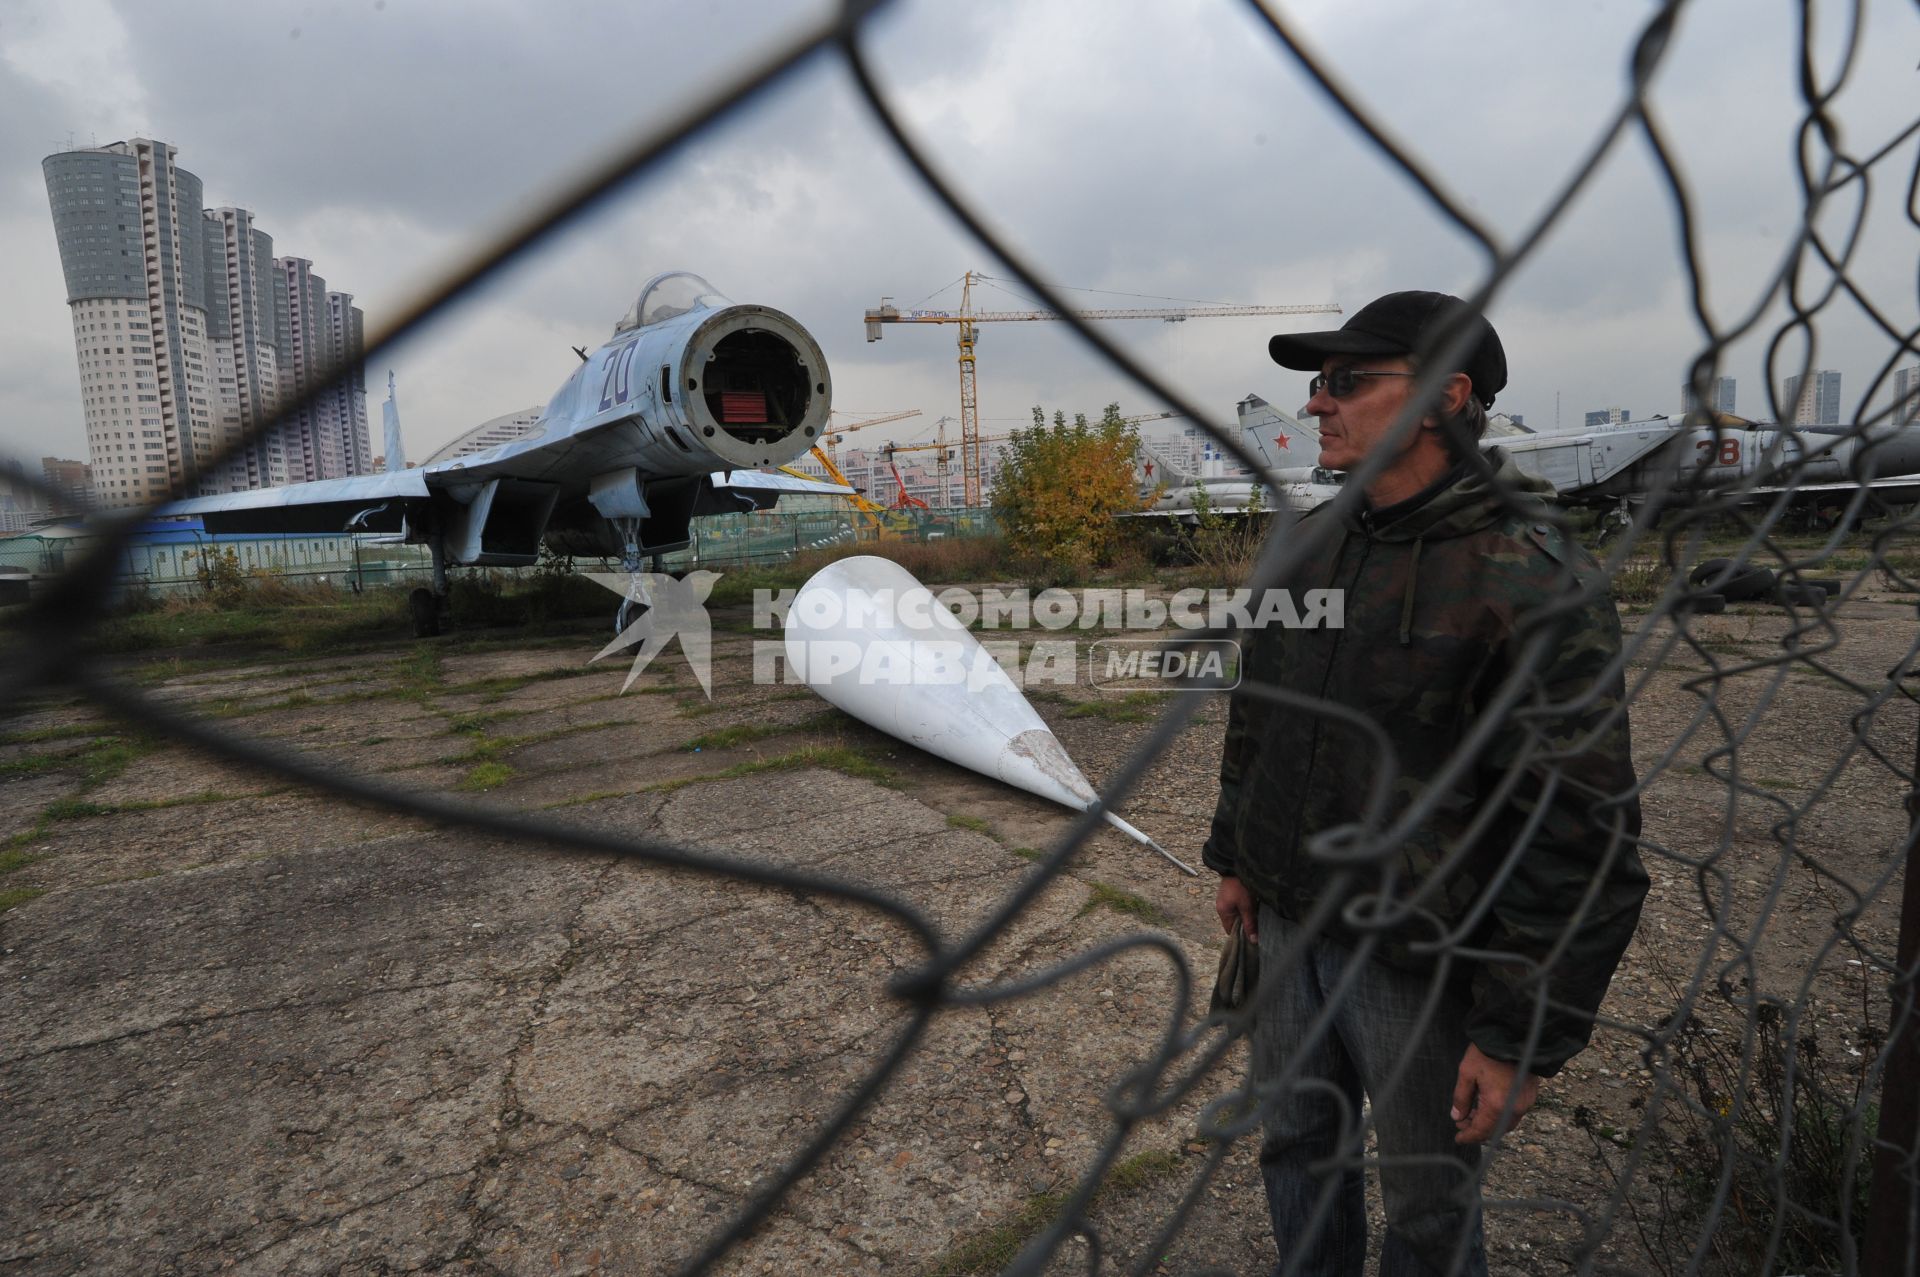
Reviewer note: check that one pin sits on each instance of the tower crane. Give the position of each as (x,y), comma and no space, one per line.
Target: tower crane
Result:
(830,464)
(967,317)
(834,432)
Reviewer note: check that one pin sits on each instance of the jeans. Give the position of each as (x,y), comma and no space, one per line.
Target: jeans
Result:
(1312,1157)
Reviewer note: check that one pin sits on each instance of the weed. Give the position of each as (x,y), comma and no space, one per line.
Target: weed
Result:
(500,685)
(37,763)
(850,762)
(1142,1170)
(993,1249)
(73,809)
(957,820)
(1640,581)
(728,737)
(19,896)
(485,776)
(37,735)
(1028,854)
(1222,547)
(485,749)
(1758,1111)
(1124,902)
(1134,707)
(96,762)
(478,721)
(13,858)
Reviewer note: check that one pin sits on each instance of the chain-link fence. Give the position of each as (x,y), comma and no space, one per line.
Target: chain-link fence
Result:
(1746,1106)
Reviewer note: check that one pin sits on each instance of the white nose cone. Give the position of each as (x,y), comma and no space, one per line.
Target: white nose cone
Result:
(875,643)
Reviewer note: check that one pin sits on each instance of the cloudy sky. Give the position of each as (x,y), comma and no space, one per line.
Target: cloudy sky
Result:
(1158,148)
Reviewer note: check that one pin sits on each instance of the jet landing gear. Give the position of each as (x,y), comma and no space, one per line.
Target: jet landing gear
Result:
(431,611)
(633,562)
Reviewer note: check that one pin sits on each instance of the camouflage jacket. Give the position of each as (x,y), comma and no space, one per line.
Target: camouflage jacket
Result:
(1477,674)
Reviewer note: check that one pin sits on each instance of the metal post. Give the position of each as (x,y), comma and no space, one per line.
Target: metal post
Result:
(1891,1222)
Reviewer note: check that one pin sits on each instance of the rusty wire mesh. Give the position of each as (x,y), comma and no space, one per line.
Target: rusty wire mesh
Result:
(1758,1040)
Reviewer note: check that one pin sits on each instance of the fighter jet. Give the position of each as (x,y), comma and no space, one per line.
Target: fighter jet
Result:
(679,415)
(1622,465)
(1168,489)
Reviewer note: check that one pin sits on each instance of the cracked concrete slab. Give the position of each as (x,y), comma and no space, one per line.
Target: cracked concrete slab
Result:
(293,1035)
(127,846)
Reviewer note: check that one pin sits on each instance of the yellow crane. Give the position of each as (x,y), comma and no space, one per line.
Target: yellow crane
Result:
(967,317)
(828,460)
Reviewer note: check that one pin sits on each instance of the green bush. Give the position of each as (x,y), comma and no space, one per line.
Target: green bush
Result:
(1062,489)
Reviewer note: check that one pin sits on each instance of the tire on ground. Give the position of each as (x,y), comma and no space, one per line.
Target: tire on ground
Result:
(1800,595)
(1737,585)
(1702,604)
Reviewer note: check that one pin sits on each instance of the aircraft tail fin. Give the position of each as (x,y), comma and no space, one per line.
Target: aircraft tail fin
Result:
(1154,470)
(1281,440)
(390,416)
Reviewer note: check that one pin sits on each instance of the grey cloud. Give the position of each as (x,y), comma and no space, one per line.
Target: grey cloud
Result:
(1174,151)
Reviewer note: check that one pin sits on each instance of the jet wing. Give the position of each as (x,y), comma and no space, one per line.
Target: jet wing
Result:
(324,506)
(762,481)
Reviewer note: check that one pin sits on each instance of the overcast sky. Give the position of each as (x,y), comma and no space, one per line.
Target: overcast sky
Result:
(1161,149)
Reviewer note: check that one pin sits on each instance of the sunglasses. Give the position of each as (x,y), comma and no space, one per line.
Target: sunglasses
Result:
(1342,382)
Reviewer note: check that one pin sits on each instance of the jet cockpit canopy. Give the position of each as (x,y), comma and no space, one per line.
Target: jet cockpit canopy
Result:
(670,296)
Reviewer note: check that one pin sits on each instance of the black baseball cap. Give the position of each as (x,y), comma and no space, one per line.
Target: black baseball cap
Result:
(1408,323)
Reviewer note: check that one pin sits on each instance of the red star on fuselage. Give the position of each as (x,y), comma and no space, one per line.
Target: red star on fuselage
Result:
(1282,441)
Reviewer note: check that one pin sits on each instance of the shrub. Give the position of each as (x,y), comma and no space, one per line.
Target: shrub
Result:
(1061,490)
(1223,547)
(221,576)
(1788,1130)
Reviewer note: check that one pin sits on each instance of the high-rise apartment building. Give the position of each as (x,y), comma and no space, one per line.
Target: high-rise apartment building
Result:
(127,220)
(1722,395)
(347,397)
(321,331)
(1607,417)
(1906,395)
(1813,400)
(182,319)
(301,360)
(247,370)
(327,429)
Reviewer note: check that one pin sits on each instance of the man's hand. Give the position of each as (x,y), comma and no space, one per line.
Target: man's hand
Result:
(1485,1090)
(1233,900)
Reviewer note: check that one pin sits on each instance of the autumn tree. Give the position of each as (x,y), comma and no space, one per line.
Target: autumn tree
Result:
(1061,488)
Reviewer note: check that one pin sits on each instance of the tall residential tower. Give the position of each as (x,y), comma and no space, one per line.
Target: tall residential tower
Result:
(1906,395)
(182,324)
(128,224)
(1722,395)
(1814,400)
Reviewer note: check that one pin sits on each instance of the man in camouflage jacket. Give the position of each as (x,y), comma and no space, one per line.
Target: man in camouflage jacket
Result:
(1432,814)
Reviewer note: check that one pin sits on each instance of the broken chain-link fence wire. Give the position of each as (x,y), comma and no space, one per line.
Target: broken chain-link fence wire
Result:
(1707,1169)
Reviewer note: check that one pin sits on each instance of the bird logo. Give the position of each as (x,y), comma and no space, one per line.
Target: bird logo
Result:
(669,608)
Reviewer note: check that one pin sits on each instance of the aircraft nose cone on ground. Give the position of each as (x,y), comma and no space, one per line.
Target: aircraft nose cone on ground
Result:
(875,643)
